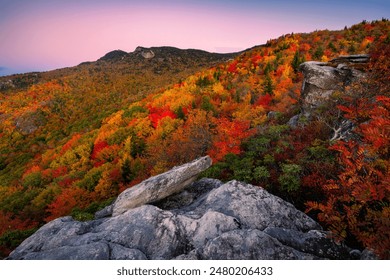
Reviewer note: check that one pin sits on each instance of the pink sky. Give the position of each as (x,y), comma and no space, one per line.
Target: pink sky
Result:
(42,34)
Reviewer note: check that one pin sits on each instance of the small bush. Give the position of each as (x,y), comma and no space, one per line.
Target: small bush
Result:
(290,180)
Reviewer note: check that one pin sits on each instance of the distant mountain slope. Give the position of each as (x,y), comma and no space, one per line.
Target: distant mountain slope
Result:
(53,105)
(117,64)
(165,54)
(72,139)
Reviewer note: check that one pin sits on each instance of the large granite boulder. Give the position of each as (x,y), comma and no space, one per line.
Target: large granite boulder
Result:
(321,79)
(208,219)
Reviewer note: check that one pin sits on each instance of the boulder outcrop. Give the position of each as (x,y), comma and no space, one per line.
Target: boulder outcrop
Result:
(29,122)
(207,219)
(321,79)
(144,52)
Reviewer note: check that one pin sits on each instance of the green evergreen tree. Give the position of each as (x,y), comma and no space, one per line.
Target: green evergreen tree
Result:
(319,52)
(297,60)
(332,47)
(206,104)
(126,172)
(180,113)
(268,68)
(268,85)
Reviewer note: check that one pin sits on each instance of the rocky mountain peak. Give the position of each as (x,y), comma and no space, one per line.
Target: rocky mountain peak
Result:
(114,55)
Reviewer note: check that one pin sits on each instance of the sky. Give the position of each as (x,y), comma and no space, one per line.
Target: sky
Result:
(43,35)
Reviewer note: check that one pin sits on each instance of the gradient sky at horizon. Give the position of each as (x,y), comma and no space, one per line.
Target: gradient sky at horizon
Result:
(42,35)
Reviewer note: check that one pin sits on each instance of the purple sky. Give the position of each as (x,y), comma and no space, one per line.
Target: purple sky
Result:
(48,34)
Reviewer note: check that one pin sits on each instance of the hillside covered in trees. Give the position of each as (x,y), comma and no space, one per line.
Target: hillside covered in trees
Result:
(73,139)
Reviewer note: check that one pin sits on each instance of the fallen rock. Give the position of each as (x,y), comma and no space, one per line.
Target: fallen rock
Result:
(145,52)
(105,212)
(368,254)
(353,59)
(295,121)
(160,186)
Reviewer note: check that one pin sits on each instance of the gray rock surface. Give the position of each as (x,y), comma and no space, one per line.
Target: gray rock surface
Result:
(368,255)
(294,121)
(351,59)
(29,122)
(314,242)
(321,79)
(249,244)
(207,220)
(160,186)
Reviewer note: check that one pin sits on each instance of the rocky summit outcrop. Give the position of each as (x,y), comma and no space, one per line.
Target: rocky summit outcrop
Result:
(144,52)
(207,219)
(321,79)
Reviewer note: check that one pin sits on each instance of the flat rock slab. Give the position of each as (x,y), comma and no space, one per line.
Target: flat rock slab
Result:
(160,186)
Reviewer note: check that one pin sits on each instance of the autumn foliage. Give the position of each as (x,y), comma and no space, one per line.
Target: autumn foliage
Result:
(72,142)
(357,201)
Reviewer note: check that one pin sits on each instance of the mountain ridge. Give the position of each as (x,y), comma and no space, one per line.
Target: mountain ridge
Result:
(165,50)
(23,80)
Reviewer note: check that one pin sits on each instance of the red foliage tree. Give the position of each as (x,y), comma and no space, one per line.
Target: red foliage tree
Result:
(59,171)
(156,114)
(233,67)
(66,201)
(264,101)
(97,148)
(229,137)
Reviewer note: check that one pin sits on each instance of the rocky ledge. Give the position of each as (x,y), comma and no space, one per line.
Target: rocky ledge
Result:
(205,219)
(321,79)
